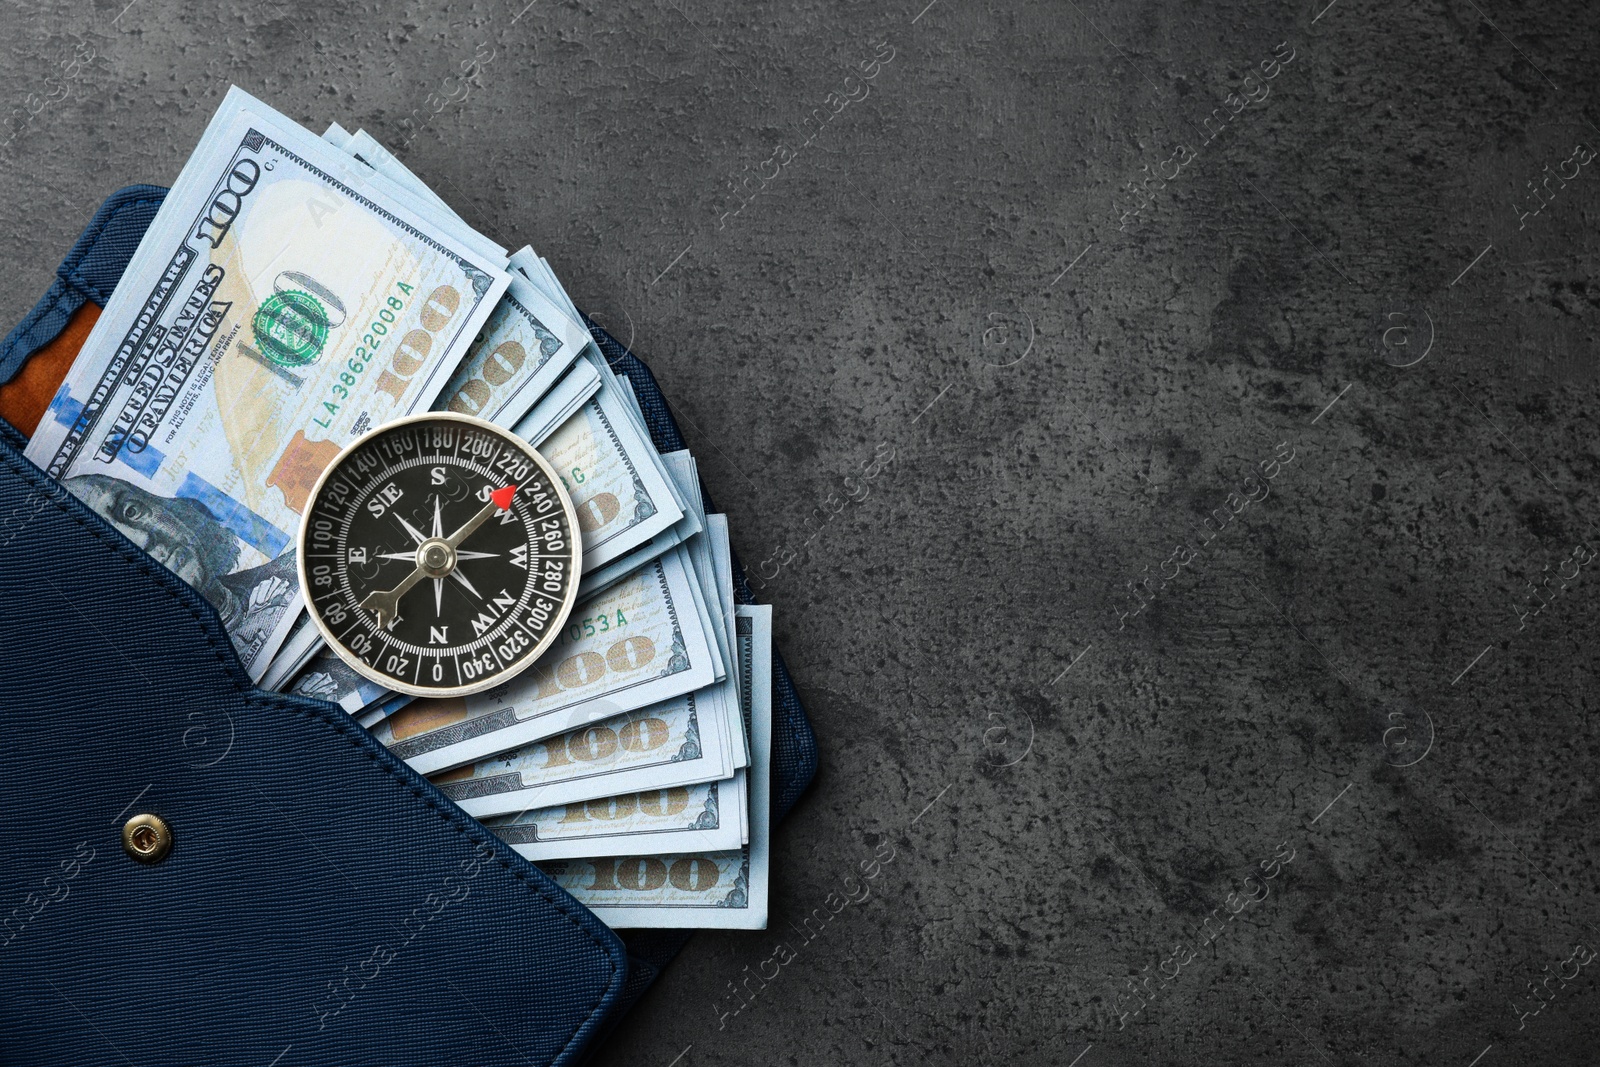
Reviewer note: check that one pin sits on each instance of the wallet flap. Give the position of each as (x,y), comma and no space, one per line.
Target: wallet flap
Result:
(321,903)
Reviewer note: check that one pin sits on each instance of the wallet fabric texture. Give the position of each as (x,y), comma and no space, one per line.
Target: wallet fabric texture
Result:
(322,903)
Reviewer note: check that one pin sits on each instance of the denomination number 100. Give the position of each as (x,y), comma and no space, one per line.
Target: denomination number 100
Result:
(692,874)
(602,742)
(657,802)
(586,668)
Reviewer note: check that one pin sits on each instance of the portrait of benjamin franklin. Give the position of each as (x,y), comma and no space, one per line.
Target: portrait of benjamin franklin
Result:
(186,538)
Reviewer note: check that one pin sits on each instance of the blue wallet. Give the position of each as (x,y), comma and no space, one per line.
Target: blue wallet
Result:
(322,903)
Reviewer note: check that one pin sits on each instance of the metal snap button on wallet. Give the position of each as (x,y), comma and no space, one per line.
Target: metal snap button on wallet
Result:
(147,838)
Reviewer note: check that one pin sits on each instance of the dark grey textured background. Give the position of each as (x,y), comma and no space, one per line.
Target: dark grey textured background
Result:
(1067,792)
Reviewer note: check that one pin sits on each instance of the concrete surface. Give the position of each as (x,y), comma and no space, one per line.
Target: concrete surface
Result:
(1330,686)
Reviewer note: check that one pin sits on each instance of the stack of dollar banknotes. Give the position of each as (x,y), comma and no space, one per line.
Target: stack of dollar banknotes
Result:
(632,761)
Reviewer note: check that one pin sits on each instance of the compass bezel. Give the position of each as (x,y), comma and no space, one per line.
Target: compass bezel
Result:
(490,680)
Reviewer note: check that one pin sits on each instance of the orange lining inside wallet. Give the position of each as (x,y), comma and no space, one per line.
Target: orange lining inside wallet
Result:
(23,399)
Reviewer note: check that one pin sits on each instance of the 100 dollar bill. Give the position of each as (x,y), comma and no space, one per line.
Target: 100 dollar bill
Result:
(621,566)
(613,475)
(525,347)
(694,818)
(658,747)
(636,644)
(720,889)
(278,306)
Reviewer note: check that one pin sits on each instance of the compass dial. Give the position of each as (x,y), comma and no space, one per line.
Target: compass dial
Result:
(439,555)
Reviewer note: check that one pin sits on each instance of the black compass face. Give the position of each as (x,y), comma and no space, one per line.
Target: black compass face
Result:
(438,555)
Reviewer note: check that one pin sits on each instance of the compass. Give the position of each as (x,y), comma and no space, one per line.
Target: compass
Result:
(439,555)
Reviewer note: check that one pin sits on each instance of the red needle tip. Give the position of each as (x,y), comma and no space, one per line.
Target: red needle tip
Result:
(501,498)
